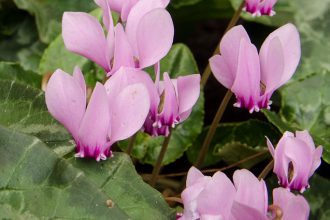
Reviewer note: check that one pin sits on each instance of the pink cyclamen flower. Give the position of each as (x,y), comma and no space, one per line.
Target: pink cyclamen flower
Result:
(289,206)
(251,77)
(105,121)
(123,7)
(295,159)
(146,38)
(171,100)
(260,7)
(251,199)
(206,197)
(177,98)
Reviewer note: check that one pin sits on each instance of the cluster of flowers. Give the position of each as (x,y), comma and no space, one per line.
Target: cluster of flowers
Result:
(216,197)
(129,100)
(260,7)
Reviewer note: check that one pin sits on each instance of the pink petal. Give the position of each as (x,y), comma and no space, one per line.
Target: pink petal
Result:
(272,66)
(83,34)
(170,106)
(107,16)
(154,36)
(241,211)
(126,9)
(129,111)
(270,147)
(222,71)
(193,175)
(123,55)
(135,16)
(217,196)
(127,76)
(79,77)
(66,100)
(250,191)
(288,36)
(293,206)
(247,81)
(230,46)
(95,124)
(188,91)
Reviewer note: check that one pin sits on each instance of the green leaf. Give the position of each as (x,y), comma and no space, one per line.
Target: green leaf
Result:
(56,56)
(13,71)
(179,61)
(318,197)
(233,142)
(117,177)
(36,183)
(48,14)
(23,109)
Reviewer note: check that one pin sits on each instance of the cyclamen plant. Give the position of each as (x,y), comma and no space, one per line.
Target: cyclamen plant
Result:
(130,101)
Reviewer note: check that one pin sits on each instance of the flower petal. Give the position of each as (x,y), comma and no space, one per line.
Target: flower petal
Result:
(288,36)
(188,91)
(250,191)
(79,77)
(129,111)
(123,55)
(66,100)
(230,46)
(193,175)
(154,36)
(137,12)
(95,124)
(83,34)
(222,71)
(217,196)
(107,17)
(293,206)
(241,211)
(247,81)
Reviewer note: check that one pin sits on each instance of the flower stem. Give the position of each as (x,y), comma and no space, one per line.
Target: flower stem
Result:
(158,164)
(173,199)
(266,170)
(213,127)
(233,21)
(131,144)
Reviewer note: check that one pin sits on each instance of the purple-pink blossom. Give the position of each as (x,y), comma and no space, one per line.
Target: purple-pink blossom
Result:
(295,159)
(253,77)
(260,7)
(106,119)
(146,38)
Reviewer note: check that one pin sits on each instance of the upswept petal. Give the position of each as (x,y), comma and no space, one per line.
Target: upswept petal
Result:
(230,46)
(137,12)
(241,211)
(193,176)
(293,206)
(127,76)
(154,37)
(129,111)
(250,191)
(66,100)
(217,197)
(272,66)
(79,77)
(188,89)
(83,34)
(170,108)
(301,157)
(106,10)
(126,9)
(247,81)
(288,36)
(222,71)
(123,54)
(95,124)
